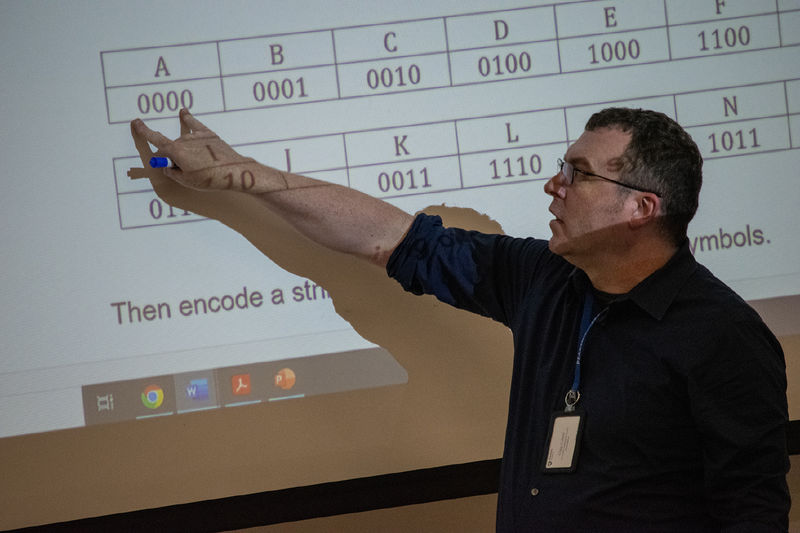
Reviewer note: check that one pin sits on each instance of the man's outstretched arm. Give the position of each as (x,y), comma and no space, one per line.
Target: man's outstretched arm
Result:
(336,217)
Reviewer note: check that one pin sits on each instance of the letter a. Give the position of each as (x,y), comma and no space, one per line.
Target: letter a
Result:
(161,67)
(277,296)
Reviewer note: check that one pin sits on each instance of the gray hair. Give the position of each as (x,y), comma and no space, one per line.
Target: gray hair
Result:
(661,157)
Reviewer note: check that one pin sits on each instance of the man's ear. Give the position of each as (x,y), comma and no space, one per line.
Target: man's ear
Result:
(646,210)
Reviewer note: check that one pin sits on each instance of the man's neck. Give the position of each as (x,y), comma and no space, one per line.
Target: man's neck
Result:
(618,274)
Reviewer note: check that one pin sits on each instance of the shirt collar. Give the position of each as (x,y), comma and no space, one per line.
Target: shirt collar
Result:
(656,292)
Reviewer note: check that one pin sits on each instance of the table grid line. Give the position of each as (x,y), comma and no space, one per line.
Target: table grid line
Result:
(340,60)
(496,147)
(221,83)
(666,24)
(558,40)
(788,110)
(409,91)
(346,161)
(336,69)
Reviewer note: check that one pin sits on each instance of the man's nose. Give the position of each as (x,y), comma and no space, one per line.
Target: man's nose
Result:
(555,186)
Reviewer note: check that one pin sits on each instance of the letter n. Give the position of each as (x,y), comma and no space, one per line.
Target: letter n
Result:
(730,106)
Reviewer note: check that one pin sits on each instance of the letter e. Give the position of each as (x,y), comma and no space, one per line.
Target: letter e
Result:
(611,16)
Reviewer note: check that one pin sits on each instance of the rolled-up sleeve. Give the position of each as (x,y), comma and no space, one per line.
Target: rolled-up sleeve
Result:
(487,274)
(434,260)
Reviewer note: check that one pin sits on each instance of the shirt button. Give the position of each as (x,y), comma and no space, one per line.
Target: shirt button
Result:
(534,492)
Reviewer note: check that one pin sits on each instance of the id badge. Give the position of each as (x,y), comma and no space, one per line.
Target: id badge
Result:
(563,442)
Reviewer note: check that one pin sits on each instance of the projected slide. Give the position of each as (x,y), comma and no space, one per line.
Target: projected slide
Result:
(121,306)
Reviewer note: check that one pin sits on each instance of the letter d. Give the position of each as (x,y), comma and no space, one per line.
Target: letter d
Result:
(241,299)
(500,30)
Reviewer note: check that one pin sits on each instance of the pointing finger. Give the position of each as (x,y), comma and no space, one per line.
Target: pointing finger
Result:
(153,137)
(188,121)
(141,144)
(185,129)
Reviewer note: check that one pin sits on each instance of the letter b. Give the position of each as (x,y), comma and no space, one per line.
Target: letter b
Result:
(725,239)
(276,53)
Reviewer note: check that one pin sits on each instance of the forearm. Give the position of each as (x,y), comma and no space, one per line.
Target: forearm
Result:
(337,217)
(334,216)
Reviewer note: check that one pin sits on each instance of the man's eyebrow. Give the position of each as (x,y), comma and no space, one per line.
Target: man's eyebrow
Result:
(615,164)
(580,162)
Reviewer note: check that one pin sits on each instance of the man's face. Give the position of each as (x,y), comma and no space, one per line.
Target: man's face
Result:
(590,214)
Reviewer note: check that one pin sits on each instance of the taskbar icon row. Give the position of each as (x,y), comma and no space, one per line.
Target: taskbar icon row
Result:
(239,385)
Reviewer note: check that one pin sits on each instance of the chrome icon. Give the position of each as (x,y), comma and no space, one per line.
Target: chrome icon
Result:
(152,397)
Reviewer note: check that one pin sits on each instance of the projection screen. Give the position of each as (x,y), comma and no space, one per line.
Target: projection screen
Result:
(122,308)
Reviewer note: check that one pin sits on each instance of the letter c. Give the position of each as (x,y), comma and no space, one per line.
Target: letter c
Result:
(389,48)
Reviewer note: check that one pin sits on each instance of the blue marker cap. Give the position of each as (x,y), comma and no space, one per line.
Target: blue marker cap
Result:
(160,162)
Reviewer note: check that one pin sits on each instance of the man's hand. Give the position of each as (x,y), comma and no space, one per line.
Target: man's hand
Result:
(204,161)
(337,217)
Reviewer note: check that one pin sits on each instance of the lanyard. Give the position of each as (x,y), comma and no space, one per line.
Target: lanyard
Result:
(586,324)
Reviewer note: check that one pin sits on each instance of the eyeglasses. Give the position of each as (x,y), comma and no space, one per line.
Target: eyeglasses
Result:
(568,171)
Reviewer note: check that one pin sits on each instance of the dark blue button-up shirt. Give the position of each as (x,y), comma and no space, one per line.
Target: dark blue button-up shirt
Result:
(682,384)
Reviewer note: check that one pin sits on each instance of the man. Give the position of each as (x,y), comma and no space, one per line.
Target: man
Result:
(646,395)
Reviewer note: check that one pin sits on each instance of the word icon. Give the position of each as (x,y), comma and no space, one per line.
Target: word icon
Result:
(197,389)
